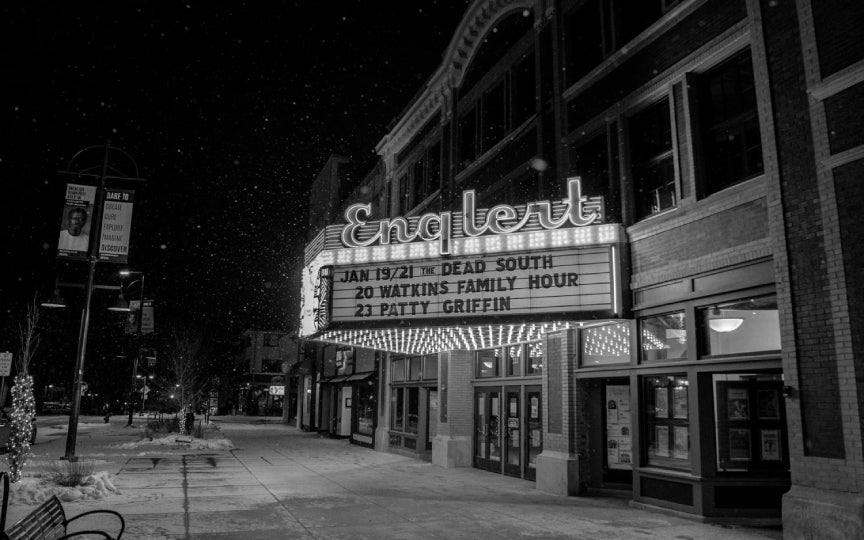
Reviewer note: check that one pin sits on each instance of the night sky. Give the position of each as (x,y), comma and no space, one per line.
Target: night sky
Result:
(229,109)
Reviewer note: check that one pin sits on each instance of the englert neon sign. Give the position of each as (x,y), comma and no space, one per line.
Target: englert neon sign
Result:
(500,219)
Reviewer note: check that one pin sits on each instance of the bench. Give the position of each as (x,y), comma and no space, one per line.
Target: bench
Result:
(48,521)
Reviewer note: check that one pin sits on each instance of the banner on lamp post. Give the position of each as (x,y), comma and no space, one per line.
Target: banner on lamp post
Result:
(116,226)
(132,317)
(74,238)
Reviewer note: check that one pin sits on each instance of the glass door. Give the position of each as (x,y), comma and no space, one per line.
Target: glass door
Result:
(533,430)
(513,432)
(487,432)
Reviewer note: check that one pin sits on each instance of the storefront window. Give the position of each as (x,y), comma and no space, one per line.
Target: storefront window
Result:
(365,404)
(750,420)
(415,363)
(514,360)
(413,409)
(487,363)
(663,337)
(536,355)
(430,367)
(607,344)
(397,401)
(740,327)
(397,373)
(667,425)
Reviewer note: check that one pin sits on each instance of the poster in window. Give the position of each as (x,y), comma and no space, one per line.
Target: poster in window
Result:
(679,401)
(770,445)
(738,404)
(739,445)
(681,449)
(661,434)
(769,405)
(661,403)
(535,407)
(618,426)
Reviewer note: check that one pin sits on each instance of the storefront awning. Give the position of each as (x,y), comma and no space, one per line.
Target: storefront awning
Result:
(360,376)
(337,379)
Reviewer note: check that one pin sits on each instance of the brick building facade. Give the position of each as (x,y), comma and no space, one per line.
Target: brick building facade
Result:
(724,139)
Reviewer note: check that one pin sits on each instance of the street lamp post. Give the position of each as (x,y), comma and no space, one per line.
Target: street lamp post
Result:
(93,258)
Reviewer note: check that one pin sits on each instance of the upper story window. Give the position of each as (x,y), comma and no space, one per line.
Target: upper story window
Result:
(590,160)
(420,179)
(505,105)
(651,161)
(414,369)
(597,28)
(729,124)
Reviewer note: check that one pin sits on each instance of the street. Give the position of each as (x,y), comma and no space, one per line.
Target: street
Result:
(280,482)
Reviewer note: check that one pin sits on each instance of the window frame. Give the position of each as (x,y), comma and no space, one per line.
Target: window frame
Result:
(641,163)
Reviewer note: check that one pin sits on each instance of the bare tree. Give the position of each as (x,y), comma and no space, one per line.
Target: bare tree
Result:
(184,367)
(23,404)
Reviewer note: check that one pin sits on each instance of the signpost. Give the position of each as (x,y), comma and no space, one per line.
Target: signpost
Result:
(5,368)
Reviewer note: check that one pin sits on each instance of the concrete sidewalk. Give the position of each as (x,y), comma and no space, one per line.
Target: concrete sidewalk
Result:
(284,483)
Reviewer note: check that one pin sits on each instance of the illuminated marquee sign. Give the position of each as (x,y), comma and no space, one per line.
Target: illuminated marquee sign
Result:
(501,219)
(497,284)
(543,257)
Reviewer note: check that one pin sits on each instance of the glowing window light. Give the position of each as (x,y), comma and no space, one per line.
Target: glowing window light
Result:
(361,255)
(538,239)
(582,237)
(400,251)
(492,244)
(472,246)
(560,237)
(516,242)
(379,253)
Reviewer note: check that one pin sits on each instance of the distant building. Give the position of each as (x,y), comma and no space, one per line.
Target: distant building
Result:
(268,359)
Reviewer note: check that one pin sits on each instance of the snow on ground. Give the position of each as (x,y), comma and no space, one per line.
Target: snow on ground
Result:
(180,442)
(98,447)
(39,487)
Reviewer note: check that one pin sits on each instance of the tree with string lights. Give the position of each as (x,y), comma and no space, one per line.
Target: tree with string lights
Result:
(23,404)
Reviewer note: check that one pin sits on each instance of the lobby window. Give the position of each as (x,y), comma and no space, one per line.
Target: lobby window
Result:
(397,409)
(513,356)
(607,344)
(430,367)
(536,357)
(397,370)
(651,160)
(487,363)
(740,327)
(750,419)
(663,337)
(666,421)
(415,368)
(405,409)
(731,142)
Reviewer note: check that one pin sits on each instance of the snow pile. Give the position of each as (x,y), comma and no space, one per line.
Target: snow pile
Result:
(180,441)
(33,490)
